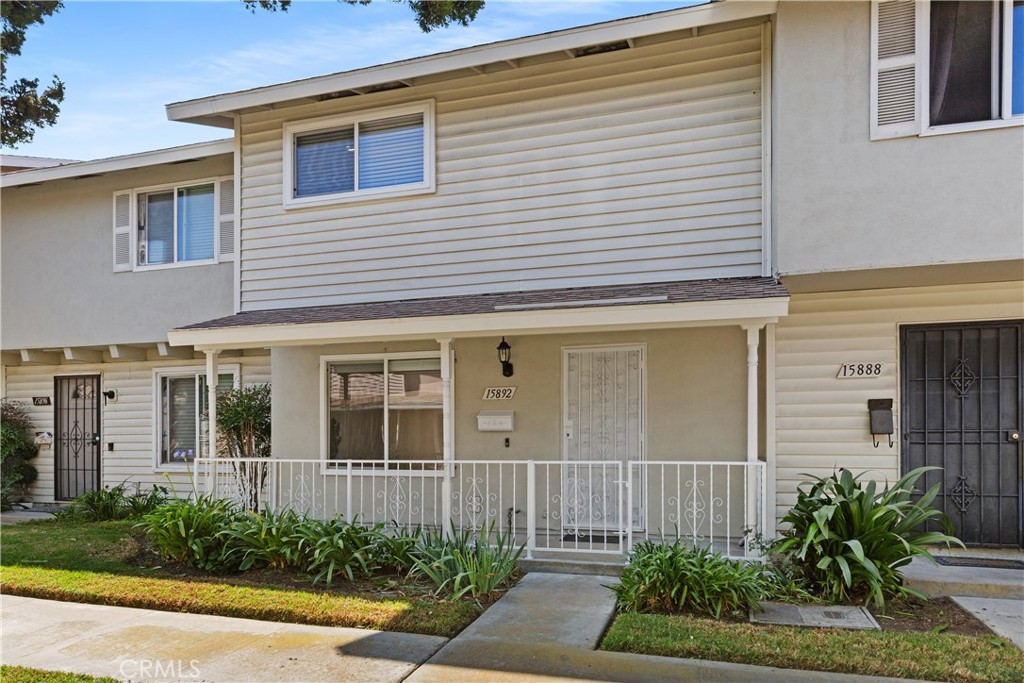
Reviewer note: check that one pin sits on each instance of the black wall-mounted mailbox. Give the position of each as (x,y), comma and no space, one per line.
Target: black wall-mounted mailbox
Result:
(880,414)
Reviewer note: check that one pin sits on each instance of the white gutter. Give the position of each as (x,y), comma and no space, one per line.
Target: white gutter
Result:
(122,163)
(547,321)
(207,110)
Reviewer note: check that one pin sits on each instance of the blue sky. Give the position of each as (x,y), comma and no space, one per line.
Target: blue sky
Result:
(122,62)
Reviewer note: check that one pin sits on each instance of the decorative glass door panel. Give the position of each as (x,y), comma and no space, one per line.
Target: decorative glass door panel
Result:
(603,423)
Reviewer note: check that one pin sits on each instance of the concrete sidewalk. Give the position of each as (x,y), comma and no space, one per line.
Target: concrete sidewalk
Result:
(146,645)
(544,629)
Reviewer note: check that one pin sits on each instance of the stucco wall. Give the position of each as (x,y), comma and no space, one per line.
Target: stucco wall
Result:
(58,284)
(696,394)
(844,202)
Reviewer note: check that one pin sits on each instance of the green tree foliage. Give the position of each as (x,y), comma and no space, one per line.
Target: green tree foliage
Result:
(429,14)
(17,447)
(24,106)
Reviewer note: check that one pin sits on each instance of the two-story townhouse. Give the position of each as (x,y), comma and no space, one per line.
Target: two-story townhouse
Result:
(537,283)
(524,283)
(899,209)
(99,260)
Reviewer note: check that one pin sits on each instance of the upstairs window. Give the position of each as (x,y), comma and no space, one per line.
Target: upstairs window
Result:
(177,225)
(382,153)
(946,66)
(174,225)
(976,59)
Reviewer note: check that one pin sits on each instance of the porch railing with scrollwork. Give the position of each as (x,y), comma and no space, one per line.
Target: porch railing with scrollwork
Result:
(550,506)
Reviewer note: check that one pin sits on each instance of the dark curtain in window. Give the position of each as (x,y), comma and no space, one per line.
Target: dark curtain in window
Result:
(961,62)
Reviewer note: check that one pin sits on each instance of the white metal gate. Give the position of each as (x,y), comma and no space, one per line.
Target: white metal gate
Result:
(603,422)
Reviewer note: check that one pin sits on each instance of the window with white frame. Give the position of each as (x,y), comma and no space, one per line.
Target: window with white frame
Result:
(386,410)
(177,224)
(375,154)
(946,65)
(181,410)
(976,61)
(181,224)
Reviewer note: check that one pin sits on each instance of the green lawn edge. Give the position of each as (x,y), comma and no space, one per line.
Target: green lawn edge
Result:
(24,674)
(922,656)
(408,615)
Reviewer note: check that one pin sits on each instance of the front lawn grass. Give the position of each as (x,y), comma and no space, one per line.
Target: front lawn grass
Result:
(920,655)
(104,563)
(22,674)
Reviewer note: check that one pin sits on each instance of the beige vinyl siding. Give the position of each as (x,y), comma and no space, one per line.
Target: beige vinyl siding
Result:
(128,422)
(632,166)
(822,421)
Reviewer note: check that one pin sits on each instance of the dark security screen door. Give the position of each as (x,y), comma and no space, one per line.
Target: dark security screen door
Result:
(77,438)
(962,411)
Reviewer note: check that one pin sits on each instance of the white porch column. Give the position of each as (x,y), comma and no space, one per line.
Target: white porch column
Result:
(750,516)
(447,433)
(211,400)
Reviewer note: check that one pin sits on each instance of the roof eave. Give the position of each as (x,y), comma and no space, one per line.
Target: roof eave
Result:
(213,110)
(547,321)
(199,150)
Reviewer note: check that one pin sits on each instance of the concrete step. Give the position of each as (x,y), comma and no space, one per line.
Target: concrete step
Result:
(977,582)
(585,567)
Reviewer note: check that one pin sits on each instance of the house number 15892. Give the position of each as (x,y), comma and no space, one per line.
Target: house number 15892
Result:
(850,370)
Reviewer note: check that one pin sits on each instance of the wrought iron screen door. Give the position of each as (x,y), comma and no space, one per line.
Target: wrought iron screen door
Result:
(77,439)
(962,411)
(603,423)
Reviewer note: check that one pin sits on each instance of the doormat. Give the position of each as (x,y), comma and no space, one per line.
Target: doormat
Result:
(611,539)
(984,562)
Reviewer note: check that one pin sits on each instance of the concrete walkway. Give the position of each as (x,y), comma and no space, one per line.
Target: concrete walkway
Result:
(1005,616)
(146,645)
(546,629)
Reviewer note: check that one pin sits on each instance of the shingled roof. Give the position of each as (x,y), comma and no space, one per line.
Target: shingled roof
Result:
(689,291)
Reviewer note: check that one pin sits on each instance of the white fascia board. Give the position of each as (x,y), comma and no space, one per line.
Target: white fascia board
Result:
(548,321)
(206,110)
(122,163)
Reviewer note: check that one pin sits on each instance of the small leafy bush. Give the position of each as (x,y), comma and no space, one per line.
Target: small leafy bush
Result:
(849,540)
(337,547)
(467,563)
(268,539)
(189,531)
(105,505)
(664,578)
(17,447)
(396,549)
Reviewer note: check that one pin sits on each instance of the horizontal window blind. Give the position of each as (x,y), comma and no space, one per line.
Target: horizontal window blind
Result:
(325,162)
(391,152)
(160,227)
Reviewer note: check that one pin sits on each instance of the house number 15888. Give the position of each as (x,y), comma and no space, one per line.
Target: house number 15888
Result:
(848,370)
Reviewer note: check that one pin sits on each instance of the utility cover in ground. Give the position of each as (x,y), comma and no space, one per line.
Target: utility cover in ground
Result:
(820,616)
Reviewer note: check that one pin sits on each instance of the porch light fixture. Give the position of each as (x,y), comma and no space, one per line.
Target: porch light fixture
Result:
(504,356)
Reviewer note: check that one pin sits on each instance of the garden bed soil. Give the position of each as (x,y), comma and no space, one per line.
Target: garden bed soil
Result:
(941,615)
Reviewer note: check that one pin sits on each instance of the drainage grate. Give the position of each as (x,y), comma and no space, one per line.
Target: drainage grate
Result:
(981,562)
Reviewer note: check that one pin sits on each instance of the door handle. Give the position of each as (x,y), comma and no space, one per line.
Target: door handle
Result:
(95,438)
(1013,436)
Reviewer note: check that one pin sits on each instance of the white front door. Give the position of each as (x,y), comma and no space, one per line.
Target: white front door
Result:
(603,434)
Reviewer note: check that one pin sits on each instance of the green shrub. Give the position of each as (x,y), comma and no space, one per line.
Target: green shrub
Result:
(850,540)
(17,447)
(396,549)
(268,539)
(243,431)
(338,547)
(189,531)
(467,563)
(661,577)
(105,505)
